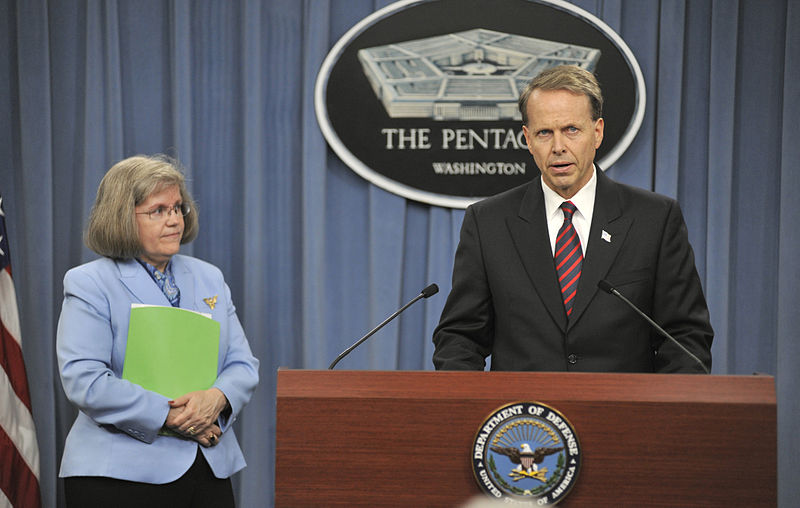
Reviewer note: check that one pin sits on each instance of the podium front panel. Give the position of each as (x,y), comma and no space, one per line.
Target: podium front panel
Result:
(377,438)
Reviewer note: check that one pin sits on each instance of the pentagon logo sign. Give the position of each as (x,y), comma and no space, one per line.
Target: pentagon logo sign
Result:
(472,75)
(420,97)
(526,453)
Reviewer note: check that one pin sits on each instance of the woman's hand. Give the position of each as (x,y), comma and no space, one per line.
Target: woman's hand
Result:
(207,437)
(194,415)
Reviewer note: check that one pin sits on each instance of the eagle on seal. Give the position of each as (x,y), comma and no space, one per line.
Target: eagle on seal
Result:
(526,458)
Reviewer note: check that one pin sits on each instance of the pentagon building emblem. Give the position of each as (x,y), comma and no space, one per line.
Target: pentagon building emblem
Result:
(466,76)
(420,97)
(526,453)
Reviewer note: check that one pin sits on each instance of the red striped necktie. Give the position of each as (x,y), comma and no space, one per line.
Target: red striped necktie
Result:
(568,257)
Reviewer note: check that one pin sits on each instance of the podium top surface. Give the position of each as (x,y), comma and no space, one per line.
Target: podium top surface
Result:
(757,389)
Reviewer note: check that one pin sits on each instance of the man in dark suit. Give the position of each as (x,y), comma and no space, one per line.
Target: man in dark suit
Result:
(529,260)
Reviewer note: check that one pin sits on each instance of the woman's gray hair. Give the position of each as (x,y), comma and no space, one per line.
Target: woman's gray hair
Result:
(112,230)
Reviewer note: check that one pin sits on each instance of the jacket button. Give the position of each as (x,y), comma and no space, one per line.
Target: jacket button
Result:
(573,359)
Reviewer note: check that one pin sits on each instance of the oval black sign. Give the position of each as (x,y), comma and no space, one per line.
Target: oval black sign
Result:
(420,98)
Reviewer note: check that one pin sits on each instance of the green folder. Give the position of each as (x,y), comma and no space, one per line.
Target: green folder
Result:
(171,351)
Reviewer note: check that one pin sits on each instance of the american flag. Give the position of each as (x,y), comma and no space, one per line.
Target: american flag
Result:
(19,453)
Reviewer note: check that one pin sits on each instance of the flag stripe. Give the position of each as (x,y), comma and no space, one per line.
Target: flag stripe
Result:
(19,451)
(8,304)
(17,481)
(10,351)
(12,363)
(17,422)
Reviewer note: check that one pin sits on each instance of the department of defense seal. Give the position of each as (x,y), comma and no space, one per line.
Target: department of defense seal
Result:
(526,452)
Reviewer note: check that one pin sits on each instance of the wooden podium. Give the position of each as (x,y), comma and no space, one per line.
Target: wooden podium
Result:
(377,438)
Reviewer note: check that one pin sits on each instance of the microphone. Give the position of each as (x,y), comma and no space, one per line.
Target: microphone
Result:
(425,293)
(608,288)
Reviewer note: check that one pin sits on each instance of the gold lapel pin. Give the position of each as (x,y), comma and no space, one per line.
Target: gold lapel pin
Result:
(211,302)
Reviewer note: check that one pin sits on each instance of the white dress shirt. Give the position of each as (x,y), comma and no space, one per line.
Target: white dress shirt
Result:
(581,220)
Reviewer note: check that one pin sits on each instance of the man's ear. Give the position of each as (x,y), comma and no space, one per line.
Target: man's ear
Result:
(598,133)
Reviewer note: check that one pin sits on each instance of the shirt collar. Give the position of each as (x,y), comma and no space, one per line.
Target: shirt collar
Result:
(583,199)
(154,272)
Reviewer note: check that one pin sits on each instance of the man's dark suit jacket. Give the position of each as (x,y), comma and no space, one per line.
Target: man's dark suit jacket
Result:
(506,300)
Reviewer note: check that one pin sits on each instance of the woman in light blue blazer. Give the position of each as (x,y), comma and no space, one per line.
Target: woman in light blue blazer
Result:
(130,446)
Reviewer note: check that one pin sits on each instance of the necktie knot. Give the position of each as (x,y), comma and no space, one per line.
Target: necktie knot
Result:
(569,210)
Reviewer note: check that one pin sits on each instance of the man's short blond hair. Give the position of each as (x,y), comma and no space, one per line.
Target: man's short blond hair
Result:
(565,77)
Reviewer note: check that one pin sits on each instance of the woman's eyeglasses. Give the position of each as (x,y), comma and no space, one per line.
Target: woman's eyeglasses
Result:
(162,212)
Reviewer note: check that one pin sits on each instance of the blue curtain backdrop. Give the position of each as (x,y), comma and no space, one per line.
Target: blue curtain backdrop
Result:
(315,255)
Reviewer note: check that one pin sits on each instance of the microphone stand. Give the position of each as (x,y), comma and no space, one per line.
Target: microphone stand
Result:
(428,291)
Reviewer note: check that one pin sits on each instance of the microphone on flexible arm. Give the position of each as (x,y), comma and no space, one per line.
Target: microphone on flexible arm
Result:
(608,288)
(425,293)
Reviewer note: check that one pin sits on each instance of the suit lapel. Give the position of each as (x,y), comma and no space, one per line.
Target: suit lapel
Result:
(145,290)
(186,283)
(608,232)
(134,277)
(531,239)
